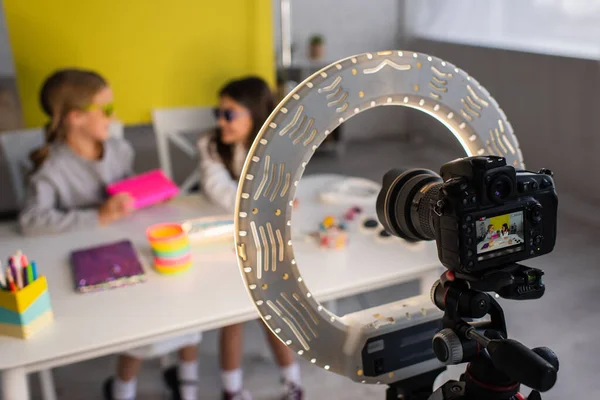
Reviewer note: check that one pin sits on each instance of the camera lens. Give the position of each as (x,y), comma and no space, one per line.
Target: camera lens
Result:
(500,188)
(405,203)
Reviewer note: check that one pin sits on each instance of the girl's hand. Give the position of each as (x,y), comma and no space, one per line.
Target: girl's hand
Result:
(115,208)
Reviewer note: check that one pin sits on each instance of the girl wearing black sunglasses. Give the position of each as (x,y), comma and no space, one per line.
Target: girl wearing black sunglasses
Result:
(244,105)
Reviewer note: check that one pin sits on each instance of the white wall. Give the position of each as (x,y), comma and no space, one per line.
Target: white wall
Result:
(6,60)
(348,26)
(556,27)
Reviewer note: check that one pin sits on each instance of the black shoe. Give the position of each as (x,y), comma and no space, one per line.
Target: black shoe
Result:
(108,389)
(292,391)
(172,381)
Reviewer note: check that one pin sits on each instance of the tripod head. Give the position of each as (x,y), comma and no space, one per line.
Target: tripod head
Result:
(497,365)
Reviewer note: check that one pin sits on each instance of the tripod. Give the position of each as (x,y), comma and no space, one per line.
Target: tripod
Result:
(497,365)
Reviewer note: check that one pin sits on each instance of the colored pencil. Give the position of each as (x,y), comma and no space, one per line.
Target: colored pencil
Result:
(25,276)
(34,270)
(11,281)
(18,275)
(2,277)
(30,274)
(24,265)
(13,270)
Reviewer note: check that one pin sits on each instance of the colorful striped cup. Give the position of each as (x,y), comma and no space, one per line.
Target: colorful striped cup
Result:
(171,248)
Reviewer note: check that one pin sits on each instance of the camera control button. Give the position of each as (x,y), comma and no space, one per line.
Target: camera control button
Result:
(538,240)
(469,253)
(473,200)
(469,230)
(523,186)
(469,218)
(534,185)
(469,241)
(546,183)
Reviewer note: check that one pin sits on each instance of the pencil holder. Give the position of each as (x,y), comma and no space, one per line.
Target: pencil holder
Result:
(27,311)
(171,248)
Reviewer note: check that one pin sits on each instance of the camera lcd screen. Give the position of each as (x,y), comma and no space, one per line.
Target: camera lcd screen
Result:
(500,235)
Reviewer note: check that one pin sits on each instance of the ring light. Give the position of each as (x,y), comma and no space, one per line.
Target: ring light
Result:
(284,146)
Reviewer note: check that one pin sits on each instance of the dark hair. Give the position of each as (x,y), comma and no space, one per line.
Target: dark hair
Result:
(254,94)
(62,92)
(505,226)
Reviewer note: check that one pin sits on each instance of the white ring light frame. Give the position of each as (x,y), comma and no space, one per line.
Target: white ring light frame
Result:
(284,146)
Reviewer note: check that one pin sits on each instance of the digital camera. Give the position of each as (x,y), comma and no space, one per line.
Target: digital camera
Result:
(481,212)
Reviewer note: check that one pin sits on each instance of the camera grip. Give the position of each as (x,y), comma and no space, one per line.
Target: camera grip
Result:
(522,364)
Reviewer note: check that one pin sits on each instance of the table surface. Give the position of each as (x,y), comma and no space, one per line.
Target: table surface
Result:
(498,242)
(209,296)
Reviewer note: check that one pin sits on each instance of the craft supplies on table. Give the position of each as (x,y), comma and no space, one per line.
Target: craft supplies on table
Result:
(25,307)
(210,229)
(106,267)
(146,189)
(171,248)
(332,234)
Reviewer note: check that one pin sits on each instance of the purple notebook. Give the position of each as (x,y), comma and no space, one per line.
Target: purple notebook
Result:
(106,267)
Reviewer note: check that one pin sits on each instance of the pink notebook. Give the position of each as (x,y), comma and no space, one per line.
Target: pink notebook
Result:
(146,189)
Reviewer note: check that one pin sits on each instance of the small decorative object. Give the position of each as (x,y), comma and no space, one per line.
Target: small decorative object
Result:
(316,47)
(25,307)
(369,225)
(332,235)
(171,248)
(384,236)
(352,213)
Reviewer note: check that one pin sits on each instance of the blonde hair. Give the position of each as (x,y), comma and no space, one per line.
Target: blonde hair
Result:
(62,92)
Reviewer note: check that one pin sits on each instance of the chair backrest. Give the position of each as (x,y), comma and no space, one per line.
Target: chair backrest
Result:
(16,147)
(170,126)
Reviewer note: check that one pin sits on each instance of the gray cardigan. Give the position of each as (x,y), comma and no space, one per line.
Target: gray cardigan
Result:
(67,190)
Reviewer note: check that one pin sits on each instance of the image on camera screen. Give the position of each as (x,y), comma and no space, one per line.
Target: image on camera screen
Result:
(500,235)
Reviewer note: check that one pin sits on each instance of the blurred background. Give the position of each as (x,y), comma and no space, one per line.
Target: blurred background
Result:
(538,58)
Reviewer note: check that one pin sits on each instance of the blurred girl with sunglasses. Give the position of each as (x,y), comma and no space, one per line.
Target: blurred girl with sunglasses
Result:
(67,192)
(70,172)
(244,105)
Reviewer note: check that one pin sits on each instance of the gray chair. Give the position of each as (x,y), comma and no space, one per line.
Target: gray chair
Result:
(16,147)
(170,126)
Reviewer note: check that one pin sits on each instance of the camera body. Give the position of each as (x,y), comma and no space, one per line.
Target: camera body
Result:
(488,214)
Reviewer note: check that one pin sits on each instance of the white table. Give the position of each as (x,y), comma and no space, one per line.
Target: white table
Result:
(209,296)
(499,243)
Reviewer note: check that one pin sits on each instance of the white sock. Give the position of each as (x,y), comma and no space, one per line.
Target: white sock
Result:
(124,390)
(232,380)
(187,372)
(291,373)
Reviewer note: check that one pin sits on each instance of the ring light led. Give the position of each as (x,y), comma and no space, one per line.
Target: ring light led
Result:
(284,146)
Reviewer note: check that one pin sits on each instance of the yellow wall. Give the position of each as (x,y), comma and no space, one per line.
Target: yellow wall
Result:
(499,221)
(155,53)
